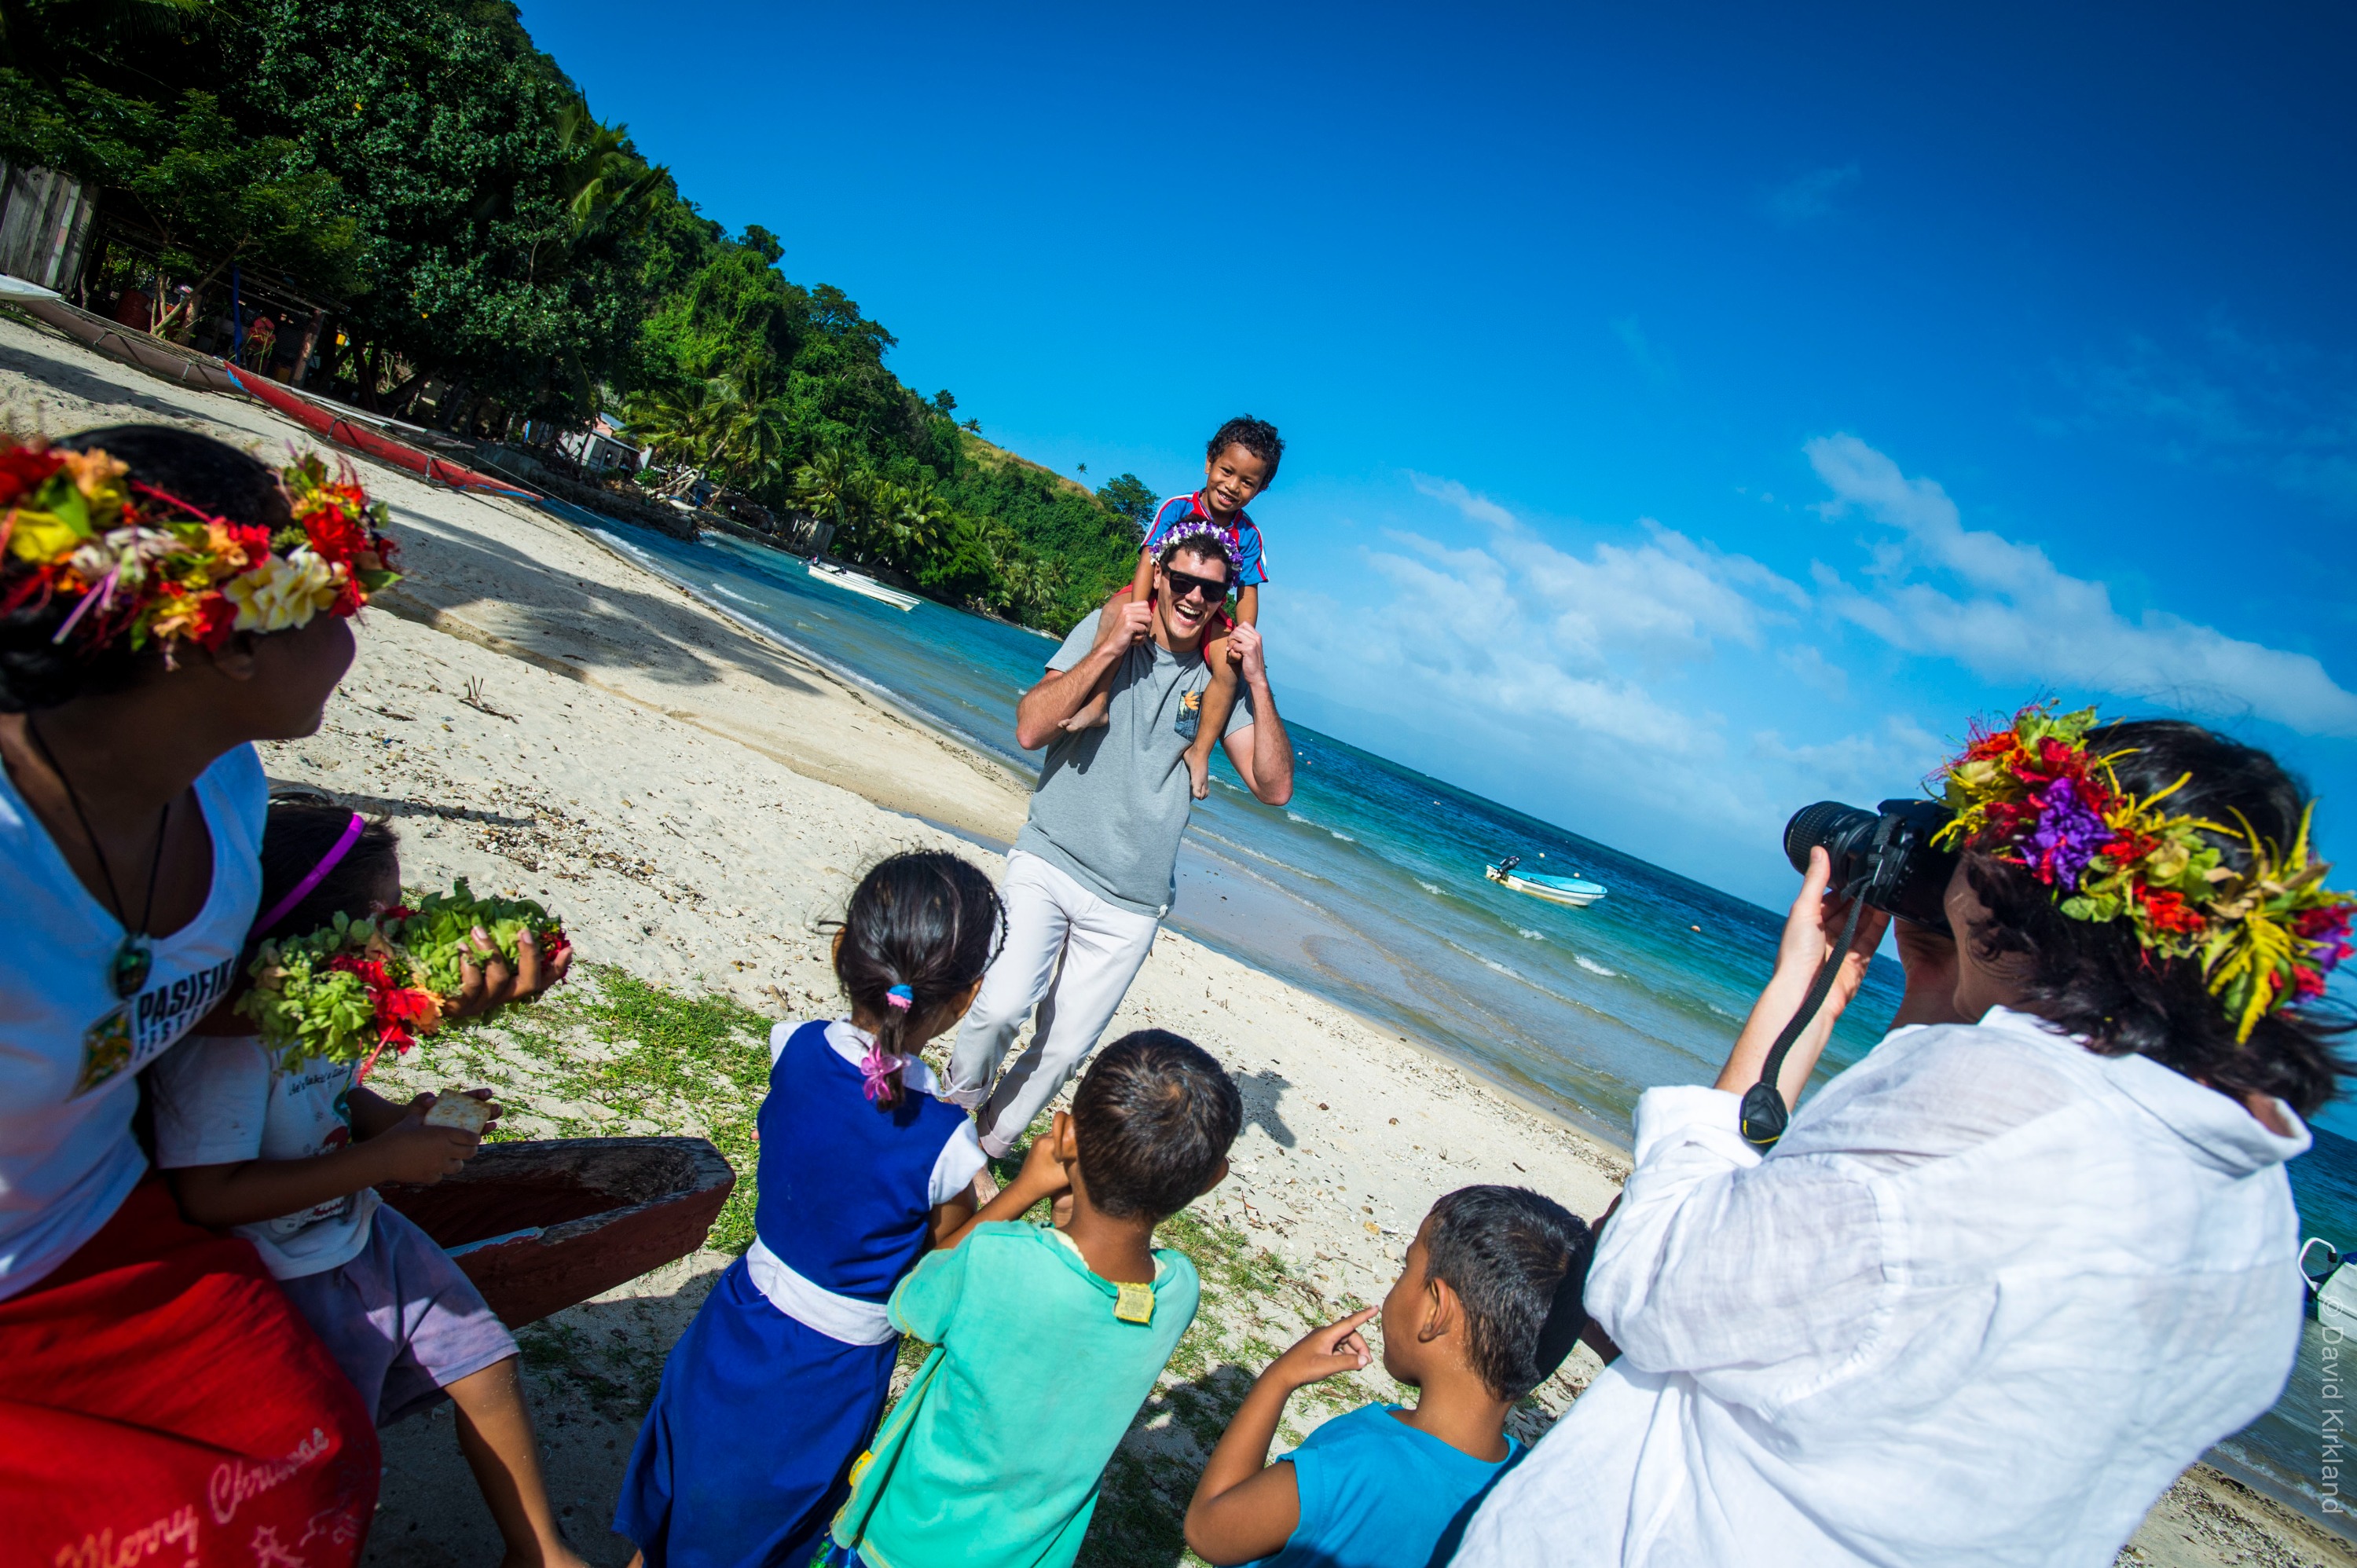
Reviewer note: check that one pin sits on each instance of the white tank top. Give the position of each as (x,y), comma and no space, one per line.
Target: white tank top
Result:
(70,1049)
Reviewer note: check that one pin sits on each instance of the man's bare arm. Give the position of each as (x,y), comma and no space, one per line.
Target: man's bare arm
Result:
(1261,751)
(1040,715)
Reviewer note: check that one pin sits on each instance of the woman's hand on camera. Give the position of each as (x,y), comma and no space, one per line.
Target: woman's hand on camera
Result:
(1813,925)
(1810,929)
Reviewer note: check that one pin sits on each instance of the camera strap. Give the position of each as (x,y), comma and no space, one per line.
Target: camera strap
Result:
(1765,1115)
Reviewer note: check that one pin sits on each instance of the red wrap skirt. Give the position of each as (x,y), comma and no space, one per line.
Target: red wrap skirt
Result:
(162,1404)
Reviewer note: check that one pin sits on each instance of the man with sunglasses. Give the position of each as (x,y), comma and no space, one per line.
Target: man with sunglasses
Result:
(1091,873)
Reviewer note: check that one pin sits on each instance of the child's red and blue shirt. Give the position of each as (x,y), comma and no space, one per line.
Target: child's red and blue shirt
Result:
(1252,562)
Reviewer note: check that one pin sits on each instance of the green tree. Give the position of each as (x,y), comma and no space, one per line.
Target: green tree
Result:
(424,162)
(1128,497)
(489,208)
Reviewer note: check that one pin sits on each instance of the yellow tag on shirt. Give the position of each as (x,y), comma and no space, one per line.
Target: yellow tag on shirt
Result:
(1134,1303)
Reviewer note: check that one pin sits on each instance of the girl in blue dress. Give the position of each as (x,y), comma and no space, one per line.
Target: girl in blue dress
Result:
(777,1385)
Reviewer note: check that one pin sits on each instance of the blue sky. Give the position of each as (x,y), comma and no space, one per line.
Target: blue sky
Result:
(1693,411)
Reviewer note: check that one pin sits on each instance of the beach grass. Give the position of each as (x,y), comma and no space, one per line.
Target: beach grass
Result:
(609,1055)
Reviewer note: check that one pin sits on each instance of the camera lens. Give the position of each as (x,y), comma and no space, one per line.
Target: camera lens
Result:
(1845,832)
(1902,876)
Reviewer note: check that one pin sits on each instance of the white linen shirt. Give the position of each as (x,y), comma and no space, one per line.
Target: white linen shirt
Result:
(1984,1300)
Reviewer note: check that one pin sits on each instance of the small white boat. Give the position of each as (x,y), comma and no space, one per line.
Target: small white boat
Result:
(860,582)
(1569,890)
(2334,1289)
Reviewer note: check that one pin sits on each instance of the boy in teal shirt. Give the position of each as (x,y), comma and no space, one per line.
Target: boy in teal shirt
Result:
(1047,1340)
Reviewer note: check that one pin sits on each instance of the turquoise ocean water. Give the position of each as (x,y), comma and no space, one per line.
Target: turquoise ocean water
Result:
(1368,889)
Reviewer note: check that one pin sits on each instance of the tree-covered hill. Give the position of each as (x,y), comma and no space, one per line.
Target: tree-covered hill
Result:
(494,259)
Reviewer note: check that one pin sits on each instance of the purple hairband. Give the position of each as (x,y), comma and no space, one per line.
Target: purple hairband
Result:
(1194,529)
(285,905)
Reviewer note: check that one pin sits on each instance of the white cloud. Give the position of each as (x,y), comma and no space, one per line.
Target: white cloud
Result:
(1480,508)
(2022,618)
(1808,196)
(1812,669)
(1573,663)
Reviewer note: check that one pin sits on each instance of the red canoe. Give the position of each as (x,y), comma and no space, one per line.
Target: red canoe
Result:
(368,439)
(545,1224)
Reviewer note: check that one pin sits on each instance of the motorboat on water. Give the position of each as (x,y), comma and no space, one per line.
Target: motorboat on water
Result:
(861,584)
(1576,892)
(2331,1288)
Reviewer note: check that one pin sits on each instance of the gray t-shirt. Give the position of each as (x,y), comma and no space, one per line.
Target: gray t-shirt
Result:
(1111,801)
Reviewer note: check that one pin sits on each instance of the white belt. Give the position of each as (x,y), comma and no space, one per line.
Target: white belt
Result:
(844,1317)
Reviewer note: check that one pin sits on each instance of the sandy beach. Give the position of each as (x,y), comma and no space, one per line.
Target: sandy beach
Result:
(536,712)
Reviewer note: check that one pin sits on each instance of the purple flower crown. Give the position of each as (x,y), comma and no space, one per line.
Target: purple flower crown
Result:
(1205,536)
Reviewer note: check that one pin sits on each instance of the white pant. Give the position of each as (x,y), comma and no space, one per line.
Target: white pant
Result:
(1049,915)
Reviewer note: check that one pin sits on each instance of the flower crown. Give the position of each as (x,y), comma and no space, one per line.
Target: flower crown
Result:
(2034,796)
(1197,533)
(144,567)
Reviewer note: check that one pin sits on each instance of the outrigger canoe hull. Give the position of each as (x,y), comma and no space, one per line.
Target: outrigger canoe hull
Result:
(543,1225)
(1564,890)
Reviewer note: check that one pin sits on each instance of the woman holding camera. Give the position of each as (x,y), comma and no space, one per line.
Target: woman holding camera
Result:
(2000,1282)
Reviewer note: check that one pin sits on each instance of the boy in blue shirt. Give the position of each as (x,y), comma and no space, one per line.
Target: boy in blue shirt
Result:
(1046,1338)
(1486,1308)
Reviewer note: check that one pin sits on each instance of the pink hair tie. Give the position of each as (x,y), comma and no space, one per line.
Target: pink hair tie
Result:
(286,907)
(900,998)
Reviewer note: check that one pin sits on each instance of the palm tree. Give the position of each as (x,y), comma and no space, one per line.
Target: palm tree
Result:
(920,519)
(688,426)
(754,445)
(826,484)
(604,185)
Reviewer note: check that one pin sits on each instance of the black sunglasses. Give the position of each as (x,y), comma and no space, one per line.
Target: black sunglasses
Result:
(1213,589)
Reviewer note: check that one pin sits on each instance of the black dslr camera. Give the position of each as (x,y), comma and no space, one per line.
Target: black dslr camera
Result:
(1884,856)
(1884,860)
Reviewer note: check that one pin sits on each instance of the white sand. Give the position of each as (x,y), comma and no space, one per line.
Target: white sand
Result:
(692,798)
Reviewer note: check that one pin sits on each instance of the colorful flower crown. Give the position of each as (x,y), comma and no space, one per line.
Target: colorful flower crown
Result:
(144,567)
(1197,532)
(2034,796)
(350,989)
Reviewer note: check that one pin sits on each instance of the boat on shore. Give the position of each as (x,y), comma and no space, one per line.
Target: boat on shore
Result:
(861,584)
(540,1225)
(1571,891)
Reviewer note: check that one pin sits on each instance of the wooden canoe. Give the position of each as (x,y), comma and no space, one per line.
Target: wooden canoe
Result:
(543,1225)
(364,437)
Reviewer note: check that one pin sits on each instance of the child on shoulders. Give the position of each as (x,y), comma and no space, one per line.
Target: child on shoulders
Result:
(1239,462)
(290,1158)
(1486,1308)
(778,1381)
(1046,1339)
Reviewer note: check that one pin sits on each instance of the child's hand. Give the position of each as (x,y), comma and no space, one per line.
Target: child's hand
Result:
(1244,652)
(1043,1175)
(413,1152)
(492,1109)
(1125,625)
(490,983)
(1323,1352)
